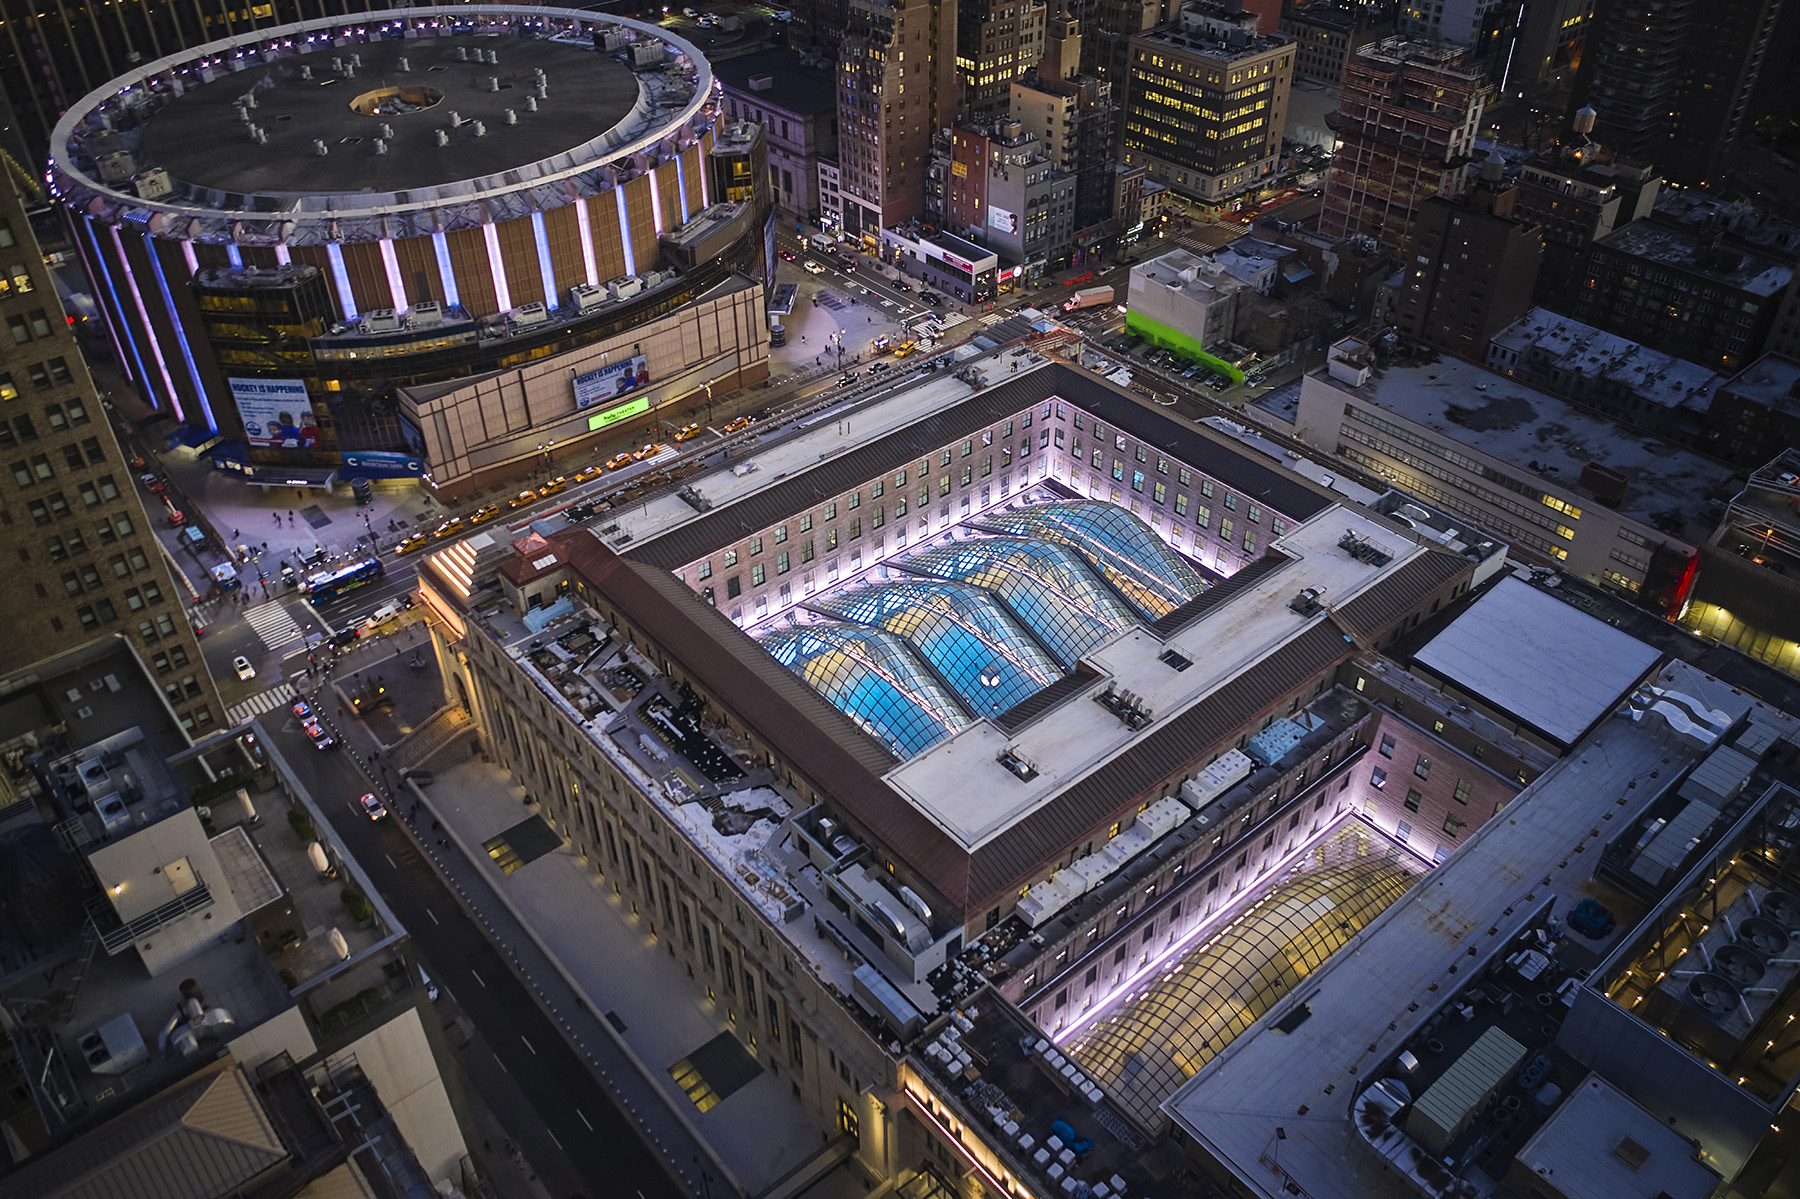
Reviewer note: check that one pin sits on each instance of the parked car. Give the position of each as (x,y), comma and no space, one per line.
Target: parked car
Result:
(932,298)
(372,807)
(245,671)
(879,367)
(317,734)
(813,268)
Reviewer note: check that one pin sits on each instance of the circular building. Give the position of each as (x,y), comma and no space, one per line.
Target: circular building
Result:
(321,213)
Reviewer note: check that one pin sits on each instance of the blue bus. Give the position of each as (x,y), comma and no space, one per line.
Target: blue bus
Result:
(329,584)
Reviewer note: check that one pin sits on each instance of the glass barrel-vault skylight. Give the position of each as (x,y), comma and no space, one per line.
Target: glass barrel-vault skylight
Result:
(874,679)
(973,643)
(1126,551)
(1048,588)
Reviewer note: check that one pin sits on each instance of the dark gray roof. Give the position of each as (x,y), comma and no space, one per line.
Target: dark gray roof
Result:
(199,1139)
(1219,456)
(807,91)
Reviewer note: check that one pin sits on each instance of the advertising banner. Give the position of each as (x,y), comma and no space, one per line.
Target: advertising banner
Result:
(276,412)
(999,218)
(612,381)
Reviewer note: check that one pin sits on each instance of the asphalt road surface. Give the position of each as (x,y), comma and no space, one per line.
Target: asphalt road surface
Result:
(562,1119)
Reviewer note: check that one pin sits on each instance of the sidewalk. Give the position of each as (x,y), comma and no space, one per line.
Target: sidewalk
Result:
(656,1016)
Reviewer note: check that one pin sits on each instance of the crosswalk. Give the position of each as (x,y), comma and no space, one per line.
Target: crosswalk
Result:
(272,623)
(278,696)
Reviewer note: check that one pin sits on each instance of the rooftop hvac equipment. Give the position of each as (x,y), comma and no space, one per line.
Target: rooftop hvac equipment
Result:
(1307,603)
(426,314)
(585,296)
(115,1047)
(624,288)
(529,314)
(1230,768)
(382,320)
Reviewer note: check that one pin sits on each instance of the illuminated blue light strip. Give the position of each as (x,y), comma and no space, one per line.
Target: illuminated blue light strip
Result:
(440,245)
(149,329)
(115,320)
(625,233)
(543,249)
(334,251)
(187,353)
(234,254)
(188,256)
(681,186)
(497,268)
(281,253)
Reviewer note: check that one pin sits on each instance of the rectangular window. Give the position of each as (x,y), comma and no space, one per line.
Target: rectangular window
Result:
(830,511)
(1254,515)
(730,558)
(1225,529)
(1203,515)
(1137,480)
(1461,794)
(780,535)
(757,575)
(781,563)
(1378,777)
(1422,767)
(1387,745)
(756,546)
(705,571)
(1413,799)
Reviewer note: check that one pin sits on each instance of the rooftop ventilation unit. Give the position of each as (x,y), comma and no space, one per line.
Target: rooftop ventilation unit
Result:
(1363,549)
(1021,766)
(1307,603)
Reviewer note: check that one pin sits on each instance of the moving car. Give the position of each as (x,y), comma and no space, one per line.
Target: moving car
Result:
(372,807)
(902,285)
(738,425)
(619,460)
(813,268)
(932,298)
(317,734)
(553,486)
(245,671)
(847,378)
(302,709)
(687,432)
(879,367)
(787,256)
(449,528)
(489,512)
(413,541)
(524,497)
(905,348)
(589,472)
(647,450)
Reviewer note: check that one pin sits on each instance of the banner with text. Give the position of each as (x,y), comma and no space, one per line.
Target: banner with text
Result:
(612,381)
(276,413)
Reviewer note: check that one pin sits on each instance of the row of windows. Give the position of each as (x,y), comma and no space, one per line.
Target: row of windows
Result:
(44,375)
(28,472)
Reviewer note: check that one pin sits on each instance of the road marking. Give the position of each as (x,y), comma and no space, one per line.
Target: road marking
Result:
(552,1136)
(501,1064)
(584,1119)
(478,977)
(528,1046)
(256,705)
(273,623)
(435,920)
(391,862)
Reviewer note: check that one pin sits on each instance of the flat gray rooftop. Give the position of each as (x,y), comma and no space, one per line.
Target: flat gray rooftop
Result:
(1303,1081)
(1538,659)
(1733,266)
(1536,432)
(1771,380)
(198,137)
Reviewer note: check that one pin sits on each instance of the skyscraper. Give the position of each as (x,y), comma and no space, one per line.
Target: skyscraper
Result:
(1408,113)
(82,560)
(1672,79)
(997,41)
(897,85)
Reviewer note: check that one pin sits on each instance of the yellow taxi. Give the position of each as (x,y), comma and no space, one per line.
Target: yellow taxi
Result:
(449,528)
(524,497)
(738,425)
(905,348)
(619,460)
(645,451)
(592,472)
(687,432)
(485,514)
(553,486)
(412,541)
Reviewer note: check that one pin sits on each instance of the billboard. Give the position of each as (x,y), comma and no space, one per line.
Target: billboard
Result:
(276,413)
(999,218)
(610,382)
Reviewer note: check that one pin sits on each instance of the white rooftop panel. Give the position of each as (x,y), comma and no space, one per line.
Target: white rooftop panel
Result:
(1533,656)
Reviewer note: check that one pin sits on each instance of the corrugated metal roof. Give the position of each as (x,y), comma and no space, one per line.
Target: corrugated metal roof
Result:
(1173,622)
(197,1140)
(1379,606)
(1719,777)
(1284,492)
(1460,1089)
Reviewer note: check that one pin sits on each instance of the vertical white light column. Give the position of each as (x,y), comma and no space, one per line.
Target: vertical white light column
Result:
(440,245)
(282,257)
(193,261)
(497,267)
(334,253)
(390,263)
(625,232)
(681,188)
(587,242)
(543,250)
(656,199)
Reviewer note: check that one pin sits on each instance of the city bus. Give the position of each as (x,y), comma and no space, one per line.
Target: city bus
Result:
(329,584)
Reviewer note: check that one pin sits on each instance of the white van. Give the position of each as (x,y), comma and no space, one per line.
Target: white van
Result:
(382,615)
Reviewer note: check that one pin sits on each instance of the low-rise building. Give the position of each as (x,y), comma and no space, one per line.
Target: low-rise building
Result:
(1578,195)
(1636,385)
(1184,301)
(1567,489)
(951,264)
(1755,415)
(1005,193)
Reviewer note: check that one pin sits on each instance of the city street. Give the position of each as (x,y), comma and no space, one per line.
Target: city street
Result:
(561,1117)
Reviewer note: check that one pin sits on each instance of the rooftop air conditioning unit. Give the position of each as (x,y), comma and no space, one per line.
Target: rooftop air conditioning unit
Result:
(382,320)
(529,314)
(426,314)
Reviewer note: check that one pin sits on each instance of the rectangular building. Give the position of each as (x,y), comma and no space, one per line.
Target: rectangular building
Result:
(1207,102)
(1565,488)
(1472,268)
(793,97)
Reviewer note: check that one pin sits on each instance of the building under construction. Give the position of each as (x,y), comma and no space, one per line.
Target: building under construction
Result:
(1408,115)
